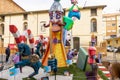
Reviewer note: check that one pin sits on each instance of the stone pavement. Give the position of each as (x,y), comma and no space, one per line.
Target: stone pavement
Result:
(104,70)
(28,70)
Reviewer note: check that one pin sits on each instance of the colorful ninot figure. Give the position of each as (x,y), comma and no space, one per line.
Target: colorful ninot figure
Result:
(28,59)
(58,22)
(74,10)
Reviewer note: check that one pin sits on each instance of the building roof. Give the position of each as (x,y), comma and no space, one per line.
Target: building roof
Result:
(18,6)
(92,7)
(9,6)
(96,6)
(111,15)
(44,11)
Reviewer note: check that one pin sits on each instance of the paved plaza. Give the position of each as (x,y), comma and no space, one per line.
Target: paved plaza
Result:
(27,71)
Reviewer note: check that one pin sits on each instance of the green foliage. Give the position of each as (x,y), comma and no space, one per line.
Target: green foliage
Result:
(102,75)
(78,74)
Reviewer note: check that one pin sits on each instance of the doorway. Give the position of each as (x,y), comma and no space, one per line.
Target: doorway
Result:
(76,43)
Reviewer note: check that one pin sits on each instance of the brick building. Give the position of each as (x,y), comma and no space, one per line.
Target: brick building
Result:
(112,25)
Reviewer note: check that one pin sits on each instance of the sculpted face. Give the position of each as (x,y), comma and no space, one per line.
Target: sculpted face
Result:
(56,19)
(74,2)
(55,16)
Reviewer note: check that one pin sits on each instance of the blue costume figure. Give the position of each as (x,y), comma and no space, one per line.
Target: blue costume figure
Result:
(28,59)
(52,62)
(74,10)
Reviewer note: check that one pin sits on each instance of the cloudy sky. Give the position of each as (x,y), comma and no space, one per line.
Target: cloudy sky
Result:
(31,5)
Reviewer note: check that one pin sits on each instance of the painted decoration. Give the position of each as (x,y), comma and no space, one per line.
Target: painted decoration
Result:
(82,59)
(14,71)
(74,11)
(69,23)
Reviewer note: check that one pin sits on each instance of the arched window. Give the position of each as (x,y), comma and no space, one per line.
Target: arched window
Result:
(1,29)
(93,25)
(42,28)
(25,26)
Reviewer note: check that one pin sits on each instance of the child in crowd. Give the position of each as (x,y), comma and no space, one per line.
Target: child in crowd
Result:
(115,71)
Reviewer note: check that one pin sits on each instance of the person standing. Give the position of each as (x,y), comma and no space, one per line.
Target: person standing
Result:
(93,40)
(92,55)
(92,75)
(7,52)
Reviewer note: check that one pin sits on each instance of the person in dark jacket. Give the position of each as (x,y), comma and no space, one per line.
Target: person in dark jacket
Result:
(7,52)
